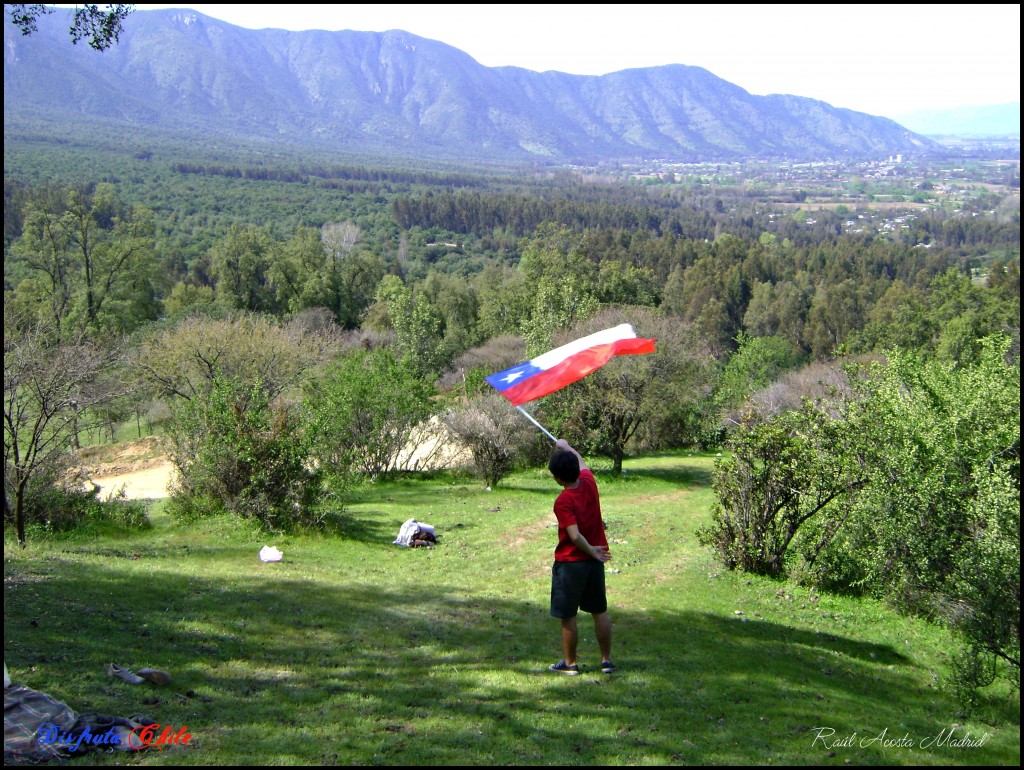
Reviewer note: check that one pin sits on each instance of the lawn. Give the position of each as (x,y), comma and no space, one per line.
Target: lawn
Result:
(352,650)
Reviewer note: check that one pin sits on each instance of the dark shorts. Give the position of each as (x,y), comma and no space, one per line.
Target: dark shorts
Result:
(575,586)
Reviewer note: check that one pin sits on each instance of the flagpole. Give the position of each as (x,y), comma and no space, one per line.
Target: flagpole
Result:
(528,417)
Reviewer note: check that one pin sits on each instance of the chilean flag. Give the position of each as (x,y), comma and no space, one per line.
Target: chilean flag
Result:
(562,366)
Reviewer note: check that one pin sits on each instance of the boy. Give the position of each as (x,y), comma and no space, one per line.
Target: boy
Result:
(577,576)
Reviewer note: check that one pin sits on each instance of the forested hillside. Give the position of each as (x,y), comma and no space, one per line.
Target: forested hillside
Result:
(249,232)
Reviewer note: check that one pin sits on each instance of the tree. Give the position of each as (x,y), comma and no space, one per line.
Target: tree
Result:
(240,263)
(457,303)
(560,282)
(779,476)
(494,432)
(944,436)
(91,262)
(101,28)
(837,311)
(183,361)
(504,301)
(48,385)
(237,451)
(417,325)
(899,320)
(909,488)
(323,269)
(937,530)
(363,411)
(757,363)
(779,310)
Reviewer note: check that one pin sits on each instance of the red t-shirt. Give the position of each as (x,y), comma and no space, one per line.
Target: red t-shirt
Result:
(580,506)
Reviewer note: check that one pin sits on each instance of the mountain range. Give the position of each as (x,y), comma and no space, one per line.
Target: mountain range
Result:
(399,94)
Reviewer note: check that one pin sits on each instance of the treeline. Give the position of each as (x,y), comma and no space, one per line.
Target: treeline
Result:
(86,256)
(306,174)
(699,215)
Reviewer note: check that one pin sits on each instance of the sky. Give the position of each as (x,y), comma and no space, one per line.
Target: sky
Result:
(890,60)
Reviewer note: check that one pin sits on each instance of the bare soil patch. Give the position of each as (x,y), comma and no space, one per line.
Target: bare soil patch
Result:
(142,468)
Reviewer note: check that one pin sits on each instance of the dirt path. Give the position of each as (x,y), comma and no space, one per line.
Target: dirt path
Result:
(148,483)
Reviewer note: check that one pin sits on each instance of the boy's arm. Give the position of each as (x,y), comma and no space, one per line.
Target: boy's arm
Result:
(599,552)
(563,444)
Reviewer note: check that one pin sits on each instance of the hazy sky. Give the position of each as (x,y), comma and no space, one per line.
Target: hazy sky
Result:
(881,59)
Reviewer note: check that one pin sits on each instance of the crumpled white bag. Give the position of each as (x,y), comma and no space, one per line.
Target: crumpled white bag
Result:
(270,553)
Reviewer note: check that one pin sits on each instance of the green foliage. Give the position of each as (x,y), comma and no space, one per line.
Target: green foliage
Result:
(941,435)
(53,505)
(900,319)
(757,363)
(940,522)
(982,601)
(237,452)
(912,490)
(101,28)
(417,325)
(86,261)
(56,497)
(240,265)
(780,475)
(324,269)
(362,413)
(182,359)
(187,299)
(559,279)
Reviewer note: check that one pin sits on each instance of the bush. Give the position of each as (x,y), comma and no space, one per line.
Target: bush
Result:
(493,431)
(65,505)
(783,476)
(236,452)
(363,413)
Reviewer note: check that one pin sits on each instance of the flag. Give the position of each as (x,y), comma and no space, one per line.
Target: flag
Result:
(562,366)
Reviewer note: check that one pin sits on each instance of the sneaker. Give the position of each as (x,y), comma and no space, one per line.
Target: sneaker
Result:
(125,675)
(154,675)
(562,668)
(607,667)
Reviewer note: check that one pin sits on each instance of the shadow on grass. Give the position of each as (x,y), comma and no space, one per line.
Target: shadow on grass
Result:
(685,477)
(380,665)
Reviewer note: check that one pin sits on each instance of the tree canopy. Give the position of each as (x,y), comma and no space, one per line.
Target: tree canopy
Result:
(101,28)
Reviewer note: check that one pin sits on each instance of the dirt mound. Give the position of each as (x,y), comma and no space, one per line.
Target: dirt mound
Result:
(142,469)
(134,456)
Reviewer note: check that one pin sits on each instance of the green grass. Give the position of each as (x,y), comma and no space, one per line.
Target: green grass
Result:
(355,651)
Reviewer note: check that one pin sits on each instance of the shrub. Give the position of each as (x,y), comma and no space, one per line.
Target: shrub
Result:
(494,433)
(236,452)
(363,412)
(782,476)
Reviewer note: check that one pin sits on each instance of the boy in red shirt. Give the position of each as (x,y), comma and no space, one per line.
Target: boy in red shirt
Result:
(577,576)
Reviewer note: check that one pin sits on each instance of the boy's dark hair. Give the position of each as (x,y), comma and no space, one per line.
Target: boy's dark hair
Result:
(564,466)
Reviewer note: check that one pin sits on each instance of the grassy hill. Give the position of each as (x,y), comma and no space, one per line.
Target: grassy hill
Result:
(354,651)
